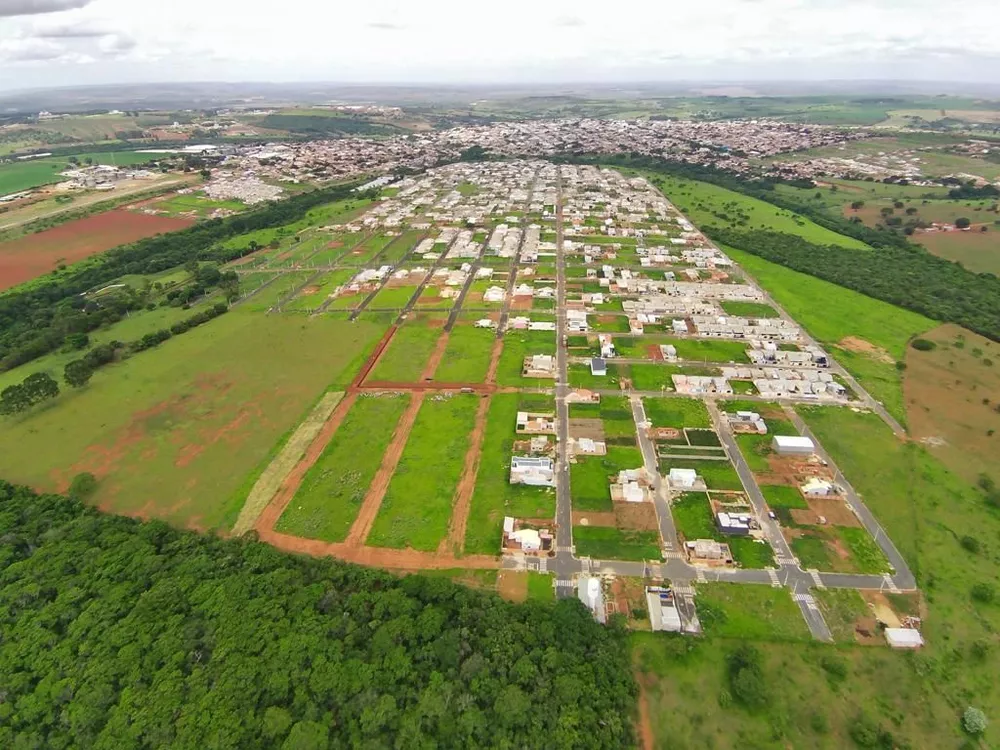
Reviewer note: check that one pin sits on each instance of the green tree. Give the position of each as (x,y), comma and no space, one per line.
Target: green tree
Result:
(963,223)
(974,721)
(77,373)
(40,386)
(13,400)
(83,486)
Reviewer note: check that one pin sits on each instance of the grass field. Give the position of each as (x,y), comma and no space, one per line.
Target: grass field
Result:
(407,354)
(977,251)
(676,412)
(605,543)
(36,172)
(952,394)
(708,205)
(319,291)
(466,356)
(841,609)
(195,205)
(590,477)
(330,495)
(494,496)
(732,610)
(173,432)
(865,335)
(417,506)
(516,346)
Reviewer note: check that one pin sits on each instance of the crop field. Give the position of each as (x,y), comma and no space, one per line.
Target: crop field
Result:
(330,496)
(173,432)
(407,354)
(417,506)
(34,255)
(865,335)
(952,399)
(494,496)
(466,356)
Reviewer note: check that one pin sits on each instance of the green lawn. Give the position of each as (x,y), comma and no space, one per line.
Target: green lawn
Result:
(331,493)
(677,412)
(23,175)
(540,587)
(417,505)
(782,496)
(406,356)
(174,432)
(516,346)
(718,475)
(749,309)
(590,477)
(494,496)
(733,610)
(832,313)
(708,350)
(393,297)
(693,516)
(467,355)
(605,543)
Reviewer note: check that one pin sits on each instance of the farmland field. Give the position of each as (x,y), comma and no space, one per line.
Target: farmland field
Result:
(417,505)
(173,432)
(330,496)
(28,257)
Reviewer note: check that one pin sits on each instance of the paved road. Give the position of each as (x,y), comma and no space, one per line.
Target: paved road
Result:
(564,508)
(661,494)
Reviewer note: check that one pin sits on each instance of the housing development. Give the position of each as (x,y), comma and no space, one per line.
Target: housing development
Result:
(576,382)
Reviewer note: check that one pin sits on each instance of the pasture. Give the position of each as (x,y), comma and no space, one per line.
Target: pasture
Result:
(173,432)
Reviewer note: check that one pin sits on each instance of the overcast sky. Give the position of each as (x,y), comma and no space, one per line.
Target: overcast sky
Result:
(70,42)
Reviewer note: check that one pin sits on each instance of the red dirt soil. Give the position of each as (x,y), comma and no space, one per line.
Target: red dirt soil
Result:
(436,356)
(32,256)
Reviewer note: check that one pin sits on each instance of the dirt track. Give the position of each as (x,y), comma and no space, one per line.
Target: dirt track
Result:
(374,358)
(466,485)
(646,736)
(436,356)
(270,515)
(377,556)
(362,525)
(491,373)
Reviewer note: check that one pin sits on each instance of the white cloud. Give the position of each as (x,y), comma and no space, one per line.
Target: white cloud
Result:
(35,7)
(524,40)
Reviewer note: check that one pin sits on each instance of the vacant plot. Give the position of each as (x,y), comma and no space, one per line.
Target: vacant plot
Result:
(34,255)
(718,475)
(840,319)
(516,346)
(759,612)
(180,432)
(331,493)
(605,543)
(676,412)
(394,296)
(693,516)
(749,309)
(416,507)
(953,397)
(494,496)
(467,355)
(317,292)
(407,354)
(590,477)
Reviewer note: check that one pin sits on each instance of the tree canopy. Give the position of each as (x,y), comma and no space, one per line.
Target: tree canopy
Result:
(123,634)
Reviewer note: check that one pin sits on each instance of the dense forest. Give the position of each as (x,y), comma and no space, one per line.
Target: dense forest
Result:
(35,319)
(909,278)
(116,633)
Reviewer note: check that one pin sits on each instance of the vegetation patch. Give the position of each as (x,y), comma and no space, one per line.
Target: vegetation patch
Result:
(607,543)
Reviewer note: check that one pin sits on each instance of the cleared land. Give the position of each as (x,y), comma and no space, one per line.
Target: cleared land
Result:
(331,493)
(466,356)
(417,505)
(182,432)
(407,354)
(28,257)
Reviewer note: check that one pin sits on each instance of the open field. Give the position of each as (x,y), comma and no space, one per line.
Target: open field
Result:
(416,507)
(36,172)
(978,251)
(28,257)
(757,612)
(466,356)
(952,399)
(516,346)
(865,335)
(331,493)
(407,355)
(676,412)
(605,543)
(174,432)
(195,206)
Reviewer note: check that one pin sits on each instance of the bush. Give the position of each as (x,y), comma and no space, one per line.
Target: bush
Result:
(970,544)
(974,721)
(983,592)
(746,677)
(83,486)
(923,345)
(963,223)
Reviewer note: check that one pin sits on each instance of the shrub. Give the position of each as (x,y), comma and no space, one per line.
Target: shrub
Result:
(983,592)
(974,720)
(970,544)
(83,486)
(923,345)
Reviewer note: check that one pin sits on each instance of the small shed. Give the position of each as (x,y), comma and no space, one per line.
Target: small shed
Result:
(903,638)
(598,367)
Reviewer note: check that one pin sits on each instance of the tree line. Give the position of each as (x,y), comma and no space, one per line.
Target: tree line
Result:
(120,633)
(907,277)
(36,319)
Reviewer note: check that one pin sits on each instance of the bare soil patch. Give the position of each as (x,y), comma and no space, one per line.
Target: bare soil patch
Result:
(654,353)
(513,585)
(593,518)
(860,346)
(34,255)
(639,516)
(586,428)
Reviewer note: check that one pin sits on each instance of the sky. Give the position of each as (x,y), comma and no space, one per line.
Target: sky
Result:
(76,42)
